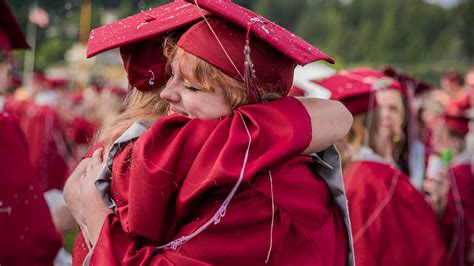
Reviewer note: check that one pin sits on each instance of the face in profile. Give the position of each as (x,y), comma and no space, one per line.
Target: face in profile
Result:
(391,113)
(187,98)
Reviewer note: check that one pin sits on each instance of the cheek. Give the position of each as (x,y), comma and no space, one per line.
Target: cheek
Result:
(397,119)
(216,110)
(211,108)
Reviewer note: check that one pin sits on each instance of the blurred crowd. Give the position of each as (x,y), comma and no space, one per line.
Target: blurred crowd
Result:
(407,165)
(407,161)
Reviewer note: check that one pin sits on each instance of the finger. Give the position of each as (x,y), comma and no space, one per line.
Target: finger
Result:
(96,156)
(79,170)
(89,168)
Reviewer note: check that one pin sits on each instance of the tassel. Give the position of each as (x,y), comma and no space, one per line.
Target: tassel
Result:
(253,94)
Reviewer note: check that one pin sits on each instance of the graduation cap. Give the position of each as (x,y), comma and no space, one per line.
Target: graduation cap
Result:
(77,97)
(455,116)
(457,123)
(219,40)
(408,82)
(116,90)
(11,35)
(355,88)
(40,78)
(56,83)
(14,81)
(296,91)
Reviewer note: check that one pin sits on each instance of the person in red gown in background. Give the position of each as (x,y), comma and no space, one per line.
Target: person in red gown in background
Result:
(27,232)
(451,189)
(416,126)
(219,181)
(392,224)
(45,132)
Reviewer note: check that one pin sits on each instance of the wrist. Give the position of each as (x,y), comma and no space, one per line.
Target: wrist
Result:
(95,223)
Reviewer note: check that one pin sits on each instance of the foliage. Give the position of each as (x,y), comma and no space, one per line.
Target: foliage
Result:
(419,37)
(411,34)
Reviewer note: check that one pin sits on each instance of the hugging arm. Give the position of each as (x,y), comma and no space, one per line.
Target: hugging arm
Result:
(330,122)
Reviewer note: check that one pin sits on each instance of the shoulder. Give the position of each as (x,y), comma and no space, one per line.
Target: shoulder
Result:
(9,128)
(367,154)
(462,159)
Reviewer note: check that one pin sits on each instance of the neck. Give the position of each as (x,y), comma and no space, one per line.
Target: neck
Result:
(384,147)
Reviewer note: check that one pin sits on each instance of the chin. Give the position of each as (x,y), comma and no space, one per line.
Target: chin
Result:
(172,112)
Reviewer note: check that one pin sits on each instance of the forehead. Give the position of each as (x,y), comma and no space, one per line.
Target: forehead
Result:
(386,97)
(177,58)
(183,61)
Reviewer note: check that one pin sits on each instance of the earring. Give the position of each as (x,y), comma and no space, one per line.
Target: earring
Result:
(151,81)
(396,138)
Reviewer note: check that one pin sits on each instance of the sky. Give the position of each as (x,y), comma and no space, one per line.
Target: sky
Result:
(444,3)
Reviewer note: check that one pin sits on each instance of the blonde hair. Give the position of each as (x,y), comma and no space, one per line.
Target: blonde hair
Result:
(209,77)
(352,142)
(145,107)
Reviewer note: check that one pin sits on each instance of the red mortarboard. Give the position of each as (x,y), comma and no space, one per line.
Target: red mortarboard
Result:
(273,69)
(453,77)
(116,90)
(48,82)
(140,38)
(295,91)
(14,81)
(455,115)
(407,82)
(143,60)
(55,83)
(459,106)
(457,123)
(40,78)
(354,88)
(278,37)
(11,35)
(77,97)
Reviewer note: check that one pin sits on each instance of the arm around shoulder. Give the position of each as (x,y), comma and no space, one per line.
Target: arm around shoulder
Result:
(330,122)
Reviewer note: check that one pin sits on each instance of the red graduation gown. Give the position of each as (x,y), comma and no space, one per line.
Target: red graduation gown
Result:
(20,110)
(457,226)
(175,176)
(27,232)
(81,131)
(405,231)
(45,134)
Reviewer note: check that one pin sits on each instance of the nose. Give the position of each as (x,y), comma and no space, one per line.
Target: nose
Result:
(384,112)
(171,92)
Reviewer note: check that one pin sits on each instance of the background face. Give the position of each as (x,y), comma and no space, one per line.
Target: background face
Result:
(391,112)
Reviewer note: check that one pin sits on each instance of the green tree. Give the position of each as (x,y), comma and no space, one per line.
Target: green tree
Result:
(283,12)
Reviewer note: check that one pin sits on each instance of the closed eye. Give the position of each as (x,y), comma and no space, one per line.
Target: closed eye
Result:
(192,88)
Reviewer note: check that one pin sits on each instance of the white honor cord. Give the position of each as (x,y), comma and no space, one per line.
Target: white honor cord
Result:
(273,218)
(216,218)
